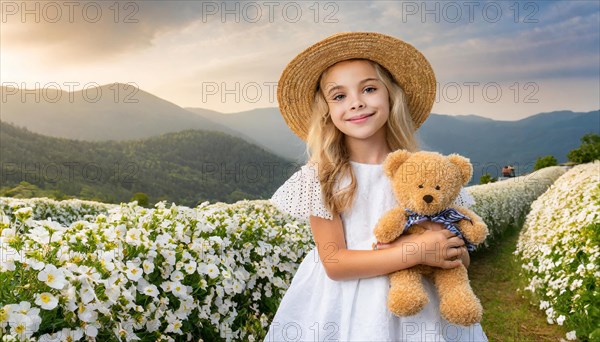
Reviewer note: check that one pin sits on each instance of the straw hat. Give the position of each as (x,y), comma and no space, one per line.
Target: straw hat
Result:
(299,79)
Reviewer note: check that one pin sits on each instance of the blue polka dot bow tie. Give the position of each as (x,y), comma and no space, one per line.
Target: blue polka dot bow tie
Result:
(447,217)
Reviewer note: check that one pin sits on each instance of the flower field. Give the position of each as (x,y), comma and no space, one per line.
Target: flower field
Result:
(506,203)
(559,248)
(163,274)
(85,270)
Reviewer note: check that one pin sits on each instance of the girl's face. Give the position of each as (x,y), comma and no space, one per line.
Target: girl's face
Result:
(358,101)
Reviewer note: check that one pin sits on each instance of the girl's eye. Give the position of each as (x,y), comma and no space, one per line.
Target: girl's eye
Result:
(421,186)
(338,97)
(370,89)
(437,187)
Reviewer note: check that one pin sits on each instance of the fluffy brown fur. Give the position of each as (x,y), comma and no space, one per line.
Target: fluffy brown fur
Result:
(414,176)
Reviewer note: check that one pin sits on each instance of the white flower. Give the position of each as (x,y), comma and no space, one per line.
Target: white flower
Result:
(148,266)
(571,335)
(19,326)
(39,234)
(134,272)
(124,331)
(87,314)
(87,294)
(167,286)
(24,325)
(226,274)
(134,237)
(22,214)
(560,320)
(212,270)
(169,256)
(150,290)
(576,284)
(179,290)
(174,324)
(46,300)
(177,276)
(53,277)
(91,330)
(71,295)
(153,325)
(190,267)
(36,265)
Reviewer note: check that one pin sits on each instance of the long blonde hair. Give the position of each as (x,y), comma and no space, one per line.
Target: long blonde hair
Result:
(328,152)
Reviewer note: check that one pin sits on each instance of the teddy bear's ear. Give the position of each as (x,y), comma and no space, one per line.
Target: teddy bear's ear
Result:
(464,164)
(394,160)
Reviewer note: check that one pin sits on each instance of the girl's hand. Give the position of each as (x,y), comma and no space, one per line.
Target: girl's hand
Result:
(436,247)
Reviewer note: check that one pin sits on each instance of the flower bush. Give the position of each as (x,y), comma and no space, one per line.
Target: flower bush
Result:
(506,203)
(559,248)
(64,212)
(169,273)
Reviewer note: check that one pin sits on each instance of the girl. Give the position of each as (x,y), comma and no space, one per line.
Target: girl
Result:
(354,98)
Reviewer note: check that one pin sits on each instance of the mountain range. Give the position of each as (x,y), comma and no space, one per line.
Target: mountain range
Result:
(124,113)
(185,167)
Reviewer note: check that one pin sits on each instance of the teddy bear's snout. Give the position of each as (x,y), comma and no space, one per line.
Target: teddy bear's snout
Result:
(428,198)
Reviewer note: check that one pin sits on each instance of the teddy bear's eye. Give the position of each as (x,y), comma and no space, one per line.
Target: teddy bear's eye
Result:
(421,186)
(437,187)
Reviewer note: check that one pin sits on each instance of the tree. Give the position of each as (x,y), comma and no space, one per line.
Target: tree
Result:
(23,190)
(141,198)
(543,162)
(486,178)
(588,151)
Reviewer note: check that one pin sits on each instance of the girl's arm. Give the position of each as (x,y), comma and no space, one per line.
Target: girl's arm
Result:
(435,248)
(464,253)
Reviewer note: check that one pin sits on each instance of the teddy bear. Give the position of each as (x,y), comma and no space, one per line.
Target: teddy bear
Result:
(425,185)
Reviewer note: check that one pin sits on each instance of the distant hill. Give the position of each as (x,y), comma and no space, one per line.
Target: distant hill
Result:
(110,112)
(265,126)
(492,144)
(185,167)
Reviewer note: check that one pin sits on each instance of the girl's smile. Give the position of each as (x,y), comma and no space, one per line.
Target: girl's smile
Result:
(360,118)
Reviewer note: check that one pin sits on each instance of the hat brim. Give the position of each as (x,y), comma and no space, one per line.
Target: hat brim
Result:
(299,79)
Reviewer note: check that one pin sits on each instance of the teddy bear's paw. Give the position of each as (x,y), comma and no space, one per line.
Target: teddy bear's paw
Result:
(405,302)
(478,234)
(465,312)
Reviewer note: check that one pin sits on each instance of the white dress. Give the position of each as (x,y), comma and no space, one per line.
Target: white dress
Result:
(317,308)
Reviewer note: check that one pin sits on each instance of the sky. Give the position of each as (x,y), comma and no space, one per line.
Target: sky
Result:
(504,60)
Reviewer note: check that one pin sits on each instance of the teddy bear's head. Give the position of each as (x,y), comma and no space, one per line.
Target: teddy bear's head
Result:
(426,182)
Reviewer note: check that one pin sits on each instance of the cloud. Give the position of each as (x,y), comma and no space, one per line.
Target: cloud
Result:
(91,30)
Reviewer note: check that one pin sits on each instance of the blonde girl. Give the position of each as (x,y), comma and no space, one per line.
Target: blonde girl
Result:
(354,98)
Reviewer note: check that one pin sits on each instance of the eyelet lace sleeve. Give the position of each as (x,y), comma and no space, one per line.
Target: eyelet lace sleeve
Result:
(300,196)
(464,199)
